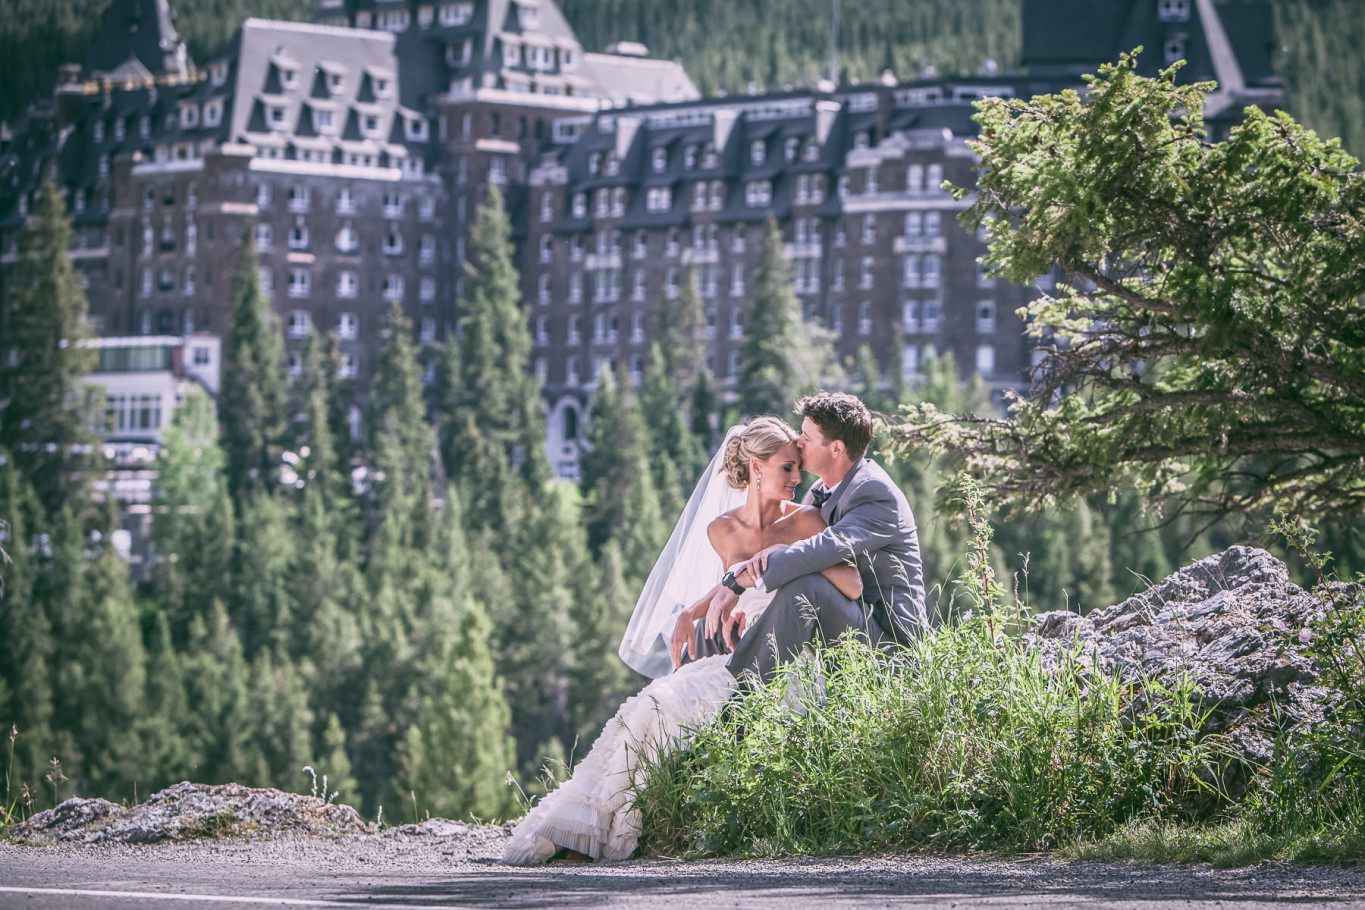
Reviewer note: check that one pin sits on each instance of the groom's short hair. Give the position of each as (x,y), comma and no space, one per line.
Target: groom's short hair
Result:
(840,416)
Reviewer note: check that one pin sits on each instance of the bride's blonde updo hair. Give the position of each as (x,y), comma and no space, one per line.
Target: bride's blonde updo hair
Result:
(760,439)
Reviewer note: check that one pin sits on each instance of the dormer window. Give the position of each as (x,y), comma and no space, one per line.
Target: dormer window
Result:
(452,14)
(861,139)
(144,126)
(334,83)
(659,159)
(381,86)
(566,60)
(529,16)
(99,130)
(613,164)
(594,163)
(371,123)
(708,155)
(1174,49)
(417,128)
(213,113)
(580,205)
(218,73)
(790,149)
(289,78)
(812,152)
(425,15)
(1173,10)
(277,117)
(511,54)
(394,20)
(322,120)
(690,158)
(758,151)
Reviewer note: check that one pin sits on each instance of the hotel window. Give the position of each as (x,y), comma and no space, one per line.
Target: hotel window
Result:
(865,273)
(736,323)
(933,224)
(909,360)
(910,272)
(812,152)
(426,209)
(262,195)
(542,330)
(348,326)
(659,159)
(575,329)
(346,200)
(914,224)
(758,151)
(618,201)
(547,207)
(737,280)
(265,278)
(300,198)
(575,287)
(427,332)
(641,246)
(191,237)
(914,178)
(571,371)
(543,289)
(426,248)
(933,176)
(865,318)
(349,368)
(758,193)
(869,229)
(547,247)
(985,359)
(717,195)
(699,195)
(690,158)
(594,163)
(1173,10)
(637,327)
(426,290)
(603,200)
(300,324)
(637,285)
(580,205)
(910,316)
(347,285)
(347,240)
(790,149)
(188,287)
(300,282)
(265,236)
(931,271)
(298,237)
(985,317)
(870,180)
(671,282)
(393,287)
(932,313)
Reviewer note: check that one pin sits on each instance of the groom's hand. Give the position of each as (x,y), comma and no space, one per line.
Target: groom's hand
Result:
(734,627)
(722,605)
(758,564)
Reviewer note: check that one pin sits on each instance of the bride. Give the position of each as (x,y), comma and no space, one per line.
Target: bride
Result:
(741,506)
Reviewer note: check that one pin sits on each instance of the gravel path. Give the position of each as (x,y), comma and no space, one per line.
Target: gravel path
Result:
(456,867)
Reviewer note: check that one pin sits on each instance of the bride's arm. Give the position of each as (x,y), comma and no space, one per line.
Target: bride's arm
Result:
(846,578)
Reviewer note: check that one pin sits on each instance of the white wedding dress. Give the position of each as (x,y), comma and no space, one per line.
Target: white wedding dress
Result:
(593,811)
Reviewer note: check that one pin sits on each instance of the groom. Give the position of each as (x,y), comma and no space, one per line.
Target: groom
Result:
(870,523)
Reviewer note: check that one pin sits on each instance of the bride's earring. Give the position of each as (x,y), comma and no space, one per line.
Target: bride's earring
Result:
(758,482)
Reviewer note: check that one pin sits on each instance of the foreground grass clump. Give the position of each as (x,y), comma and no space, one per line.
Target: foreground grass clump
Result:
(963,741)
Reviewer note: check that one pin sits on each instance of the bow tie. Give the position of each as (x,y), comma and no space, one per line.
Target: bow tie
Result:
(820,496)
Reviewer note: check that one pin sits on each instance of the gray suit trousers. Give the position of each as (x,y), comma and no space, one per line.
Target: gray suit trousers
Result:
(806,609)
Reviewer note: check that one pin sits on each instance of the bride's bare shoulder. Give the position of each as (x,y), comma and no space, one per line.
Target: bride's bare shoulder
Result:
(806,517)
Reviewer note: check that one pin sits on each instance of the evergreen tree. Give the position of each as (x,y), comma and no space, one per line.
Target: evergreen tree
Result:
(489,409)
(281,720)
(46,409)
(776,358)
(599,681)
(252,404)
(261,608)
(217,725)
(680,333)
(704,415)
(457,753)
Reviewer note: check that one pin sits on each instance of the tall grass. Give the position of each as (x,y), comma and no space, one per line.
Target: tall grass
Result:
(962,741)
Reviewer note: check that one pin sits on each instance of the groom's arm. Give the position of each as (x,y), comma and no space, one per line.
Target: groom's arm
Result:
(869,524)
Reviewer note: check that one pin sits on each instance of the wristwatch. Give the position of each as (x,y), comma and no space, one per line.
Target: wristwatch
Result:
(728,579)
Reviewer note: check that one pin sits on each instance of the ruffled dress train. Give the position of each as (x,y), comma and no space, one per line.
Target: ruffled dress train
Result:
(592,812)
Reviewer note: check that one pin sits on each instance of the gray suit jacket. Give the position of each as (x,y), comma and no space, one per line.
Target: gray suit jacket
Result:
(869,520)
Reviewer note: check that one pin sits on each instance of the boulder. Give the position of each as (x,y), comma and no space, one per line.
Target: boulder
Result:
(1225,626)
(187,811)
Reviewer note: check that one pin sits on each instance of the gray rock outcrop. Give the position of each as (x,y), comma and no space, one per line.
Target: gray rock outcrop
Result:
(187,811)
(1227,626)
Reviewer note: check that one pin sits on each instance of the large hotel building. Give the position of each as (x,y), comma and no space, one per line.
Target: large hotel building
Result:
(356,150)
